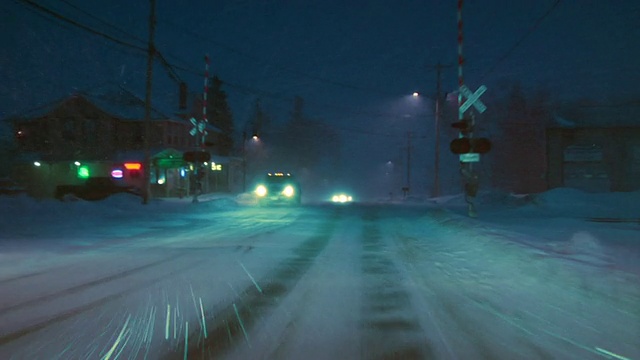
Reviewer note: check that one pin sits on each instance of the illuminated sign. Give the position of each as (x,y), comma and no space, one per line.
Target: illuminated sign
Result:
(133,166)
(117,174)
(216,167)
(83,172)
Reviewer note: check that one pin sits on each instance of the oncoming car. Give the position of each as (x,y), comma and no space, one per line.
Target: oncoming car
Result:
(341,198)
(278,188)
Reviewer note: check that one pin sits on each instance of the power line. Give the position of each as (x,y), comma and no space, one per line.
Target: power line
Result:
(81,26)
(172,67)
(521,40)
(277,66)
(104,22)
(58,16)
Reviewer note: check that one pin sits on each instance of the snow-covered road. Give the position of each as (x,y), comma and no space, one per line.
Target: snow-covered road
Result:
(315,282)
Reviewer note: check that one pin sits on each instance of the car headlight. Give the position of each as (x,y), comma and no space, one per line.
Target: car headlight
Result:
(341,198)
(288,191)
(261,190)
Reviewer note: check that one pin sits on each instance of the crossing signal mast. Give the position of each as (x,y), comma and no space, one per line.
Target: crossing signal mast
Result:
(466,146)
(199,156)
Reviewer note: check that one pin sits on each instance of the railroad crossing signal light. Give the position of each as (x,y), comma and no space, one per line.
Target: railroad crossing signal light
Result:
(460,146)
(464,126)
(480,145)
(467,145)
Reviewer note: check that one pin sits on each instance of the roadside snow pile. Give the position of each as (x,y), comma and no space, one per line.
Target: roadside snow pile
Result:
(576,203)
(489,198)
(584,247)
(24,218)
(555,203)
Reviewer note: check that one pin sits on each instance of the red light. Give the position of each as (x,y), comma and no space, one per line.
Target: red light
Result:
(132,166)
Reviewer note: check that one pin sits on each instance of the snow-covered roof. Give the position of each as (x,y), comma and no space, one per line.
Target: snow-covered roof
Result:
(116,100)
(111,98)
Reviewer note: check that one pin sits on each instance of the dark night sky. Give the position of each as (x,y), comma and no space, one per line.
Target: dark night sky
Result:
(353,62)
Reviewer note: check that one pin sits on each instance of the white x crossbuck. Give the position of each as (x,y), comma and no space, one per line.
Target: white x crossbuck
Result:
(473,98)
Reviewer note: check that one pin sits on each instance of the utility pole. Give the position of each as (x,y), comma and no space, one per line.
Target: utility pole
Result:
(466,168)
(201,137)
(407,188)
(244,161)
(467,146)
(436,170)
(147,108)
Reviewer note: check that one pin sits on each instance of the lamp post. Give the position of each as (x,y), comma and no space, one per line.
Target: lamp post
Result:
(436,170)
(244,161)
(254,137)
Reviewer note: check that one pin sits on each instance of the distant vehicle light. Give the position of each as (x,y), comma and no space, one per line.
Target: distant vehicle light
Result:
(261,190)
(341,198)
(288,191)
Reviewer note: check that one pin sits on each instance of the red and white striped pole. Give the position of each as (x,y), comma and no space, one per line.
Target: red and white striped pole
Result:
(466,168)
(460,58)
(204,98)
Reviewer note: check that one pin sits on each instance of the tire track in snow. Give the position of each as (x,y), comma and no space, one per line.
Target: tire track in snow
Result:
(17,334)
(230,325)
(475,307)
(389,328)
(89,284)
(165,262)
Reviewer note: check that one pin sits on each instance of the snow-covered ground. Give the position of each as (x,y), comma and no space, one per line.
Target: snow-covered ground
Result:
(553,275)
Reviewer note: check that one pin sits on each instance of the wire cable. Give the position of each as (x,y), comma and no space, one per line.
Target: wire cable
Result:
(81,26)
(517,44)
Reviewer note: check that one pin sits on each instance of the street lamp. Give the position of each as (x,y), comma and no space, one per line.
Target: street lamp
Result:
(254,137)
(436,170)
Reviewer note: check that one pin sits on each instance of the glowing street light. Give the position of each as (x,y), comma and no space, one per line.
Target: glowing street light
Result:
(415,94)
(254,138)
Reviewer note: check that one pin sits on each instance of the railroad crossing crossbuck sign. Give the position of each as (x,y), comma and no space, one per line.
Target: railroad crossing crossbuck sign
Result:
(198,127)
(473,98)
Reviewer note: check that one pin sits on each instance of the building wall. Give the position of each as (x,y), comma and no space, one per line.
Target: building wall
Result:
(594,159)
(76,130)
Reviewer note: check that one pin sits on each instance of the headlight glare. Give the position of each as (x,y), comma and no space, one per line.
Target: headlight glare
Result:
(288,191)
(261,190)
